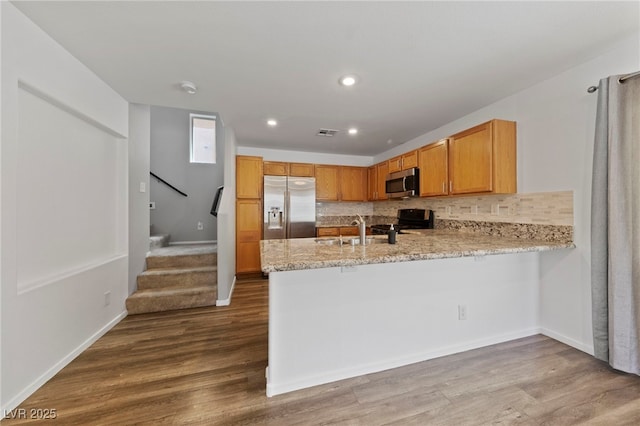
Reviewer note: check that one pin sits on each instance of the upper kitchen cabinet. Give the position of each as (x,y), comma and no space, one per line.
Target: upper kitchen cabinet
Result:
(405,161)
(327,178)
(483,159)
(353,183)
(275,168)
(382,170)
(434,174)
(248,177)
(372,183)
(301,169)
(278,168)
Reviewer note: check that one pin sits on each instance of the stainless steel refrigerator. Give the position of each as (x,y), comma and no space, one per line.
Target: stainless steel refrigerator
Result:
(289,207)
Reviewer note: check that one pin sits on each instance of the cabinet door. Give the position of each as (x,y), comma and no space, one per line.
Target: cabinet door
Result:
(372,183)
(327,232)
(301,170)
(353,183)
(395,164)
(349,231)
(248,177)
(434,175)
(274,168)
(470,161)
(410,160)
(327,182)
(248,235)
(383,171)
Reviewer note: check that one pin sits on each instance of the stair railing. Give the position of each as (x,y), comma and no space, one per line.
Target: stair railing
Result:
(168,184)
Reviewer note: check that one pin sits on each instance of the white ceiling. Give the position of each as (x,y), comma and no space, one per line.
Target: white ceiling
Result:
(420,64)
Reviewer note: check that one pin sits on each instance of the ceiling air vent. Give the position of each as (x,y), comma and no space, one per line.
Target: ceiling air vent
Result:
(329,133)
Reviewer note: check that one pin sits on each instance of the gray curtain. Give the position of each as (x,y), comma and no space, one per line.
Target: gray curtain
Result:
(615,225)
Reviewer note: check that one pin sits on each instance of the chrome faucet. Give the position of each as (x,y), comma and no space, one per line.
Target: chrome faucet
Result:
(362,227)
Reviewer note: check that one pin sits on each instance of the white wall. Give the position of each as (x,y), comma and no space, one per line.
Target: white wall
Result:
(306,157)
(227,223)
(556,123)
(139,143)
(64,207)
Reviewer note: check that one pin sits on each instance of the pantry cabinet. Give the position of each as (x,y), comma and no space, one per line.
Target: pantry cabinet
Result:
(248,177)
(483,159)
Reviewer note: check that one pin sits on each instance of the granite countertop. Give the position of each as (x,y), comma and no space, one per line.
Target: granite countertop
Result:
(306,253)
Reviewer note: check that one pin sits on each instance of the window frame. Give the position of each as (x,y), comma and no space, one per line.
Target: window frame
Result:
(212,117)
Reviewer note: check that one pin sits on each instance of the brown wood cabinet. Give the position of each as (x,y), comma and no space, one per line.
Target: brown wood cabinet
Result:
(345,231)
(372,183)
(434,173)
(275,168)
(382,170)
(483,159)
(248,235)
(301,169)
(353,183)
(248,177)
(404,161)
(327,179)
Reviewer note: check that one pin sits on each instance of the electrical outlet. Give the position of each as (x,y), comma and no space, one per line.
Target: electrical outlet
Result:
(200,226)
(107,298)
(447,210)
(462,312)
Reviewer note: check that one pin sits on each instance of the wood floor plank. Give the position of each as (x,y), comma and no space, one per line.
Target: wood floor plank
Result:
(206,366)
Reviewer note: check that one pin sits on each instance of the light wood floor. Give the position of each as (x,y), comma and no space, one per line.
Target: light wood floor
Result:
(206,366)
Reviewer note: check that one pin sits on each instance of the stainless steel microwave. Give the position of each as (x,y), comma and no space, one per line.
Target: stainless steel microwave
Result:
(403,184)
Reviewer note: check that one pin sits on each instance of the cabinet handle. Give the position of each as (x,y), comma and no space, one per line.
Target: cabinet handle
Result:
(443,187)
(450,187)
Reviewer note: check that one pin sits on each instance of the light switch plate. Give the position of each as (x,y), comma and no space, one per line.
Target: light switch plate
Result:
(143,187)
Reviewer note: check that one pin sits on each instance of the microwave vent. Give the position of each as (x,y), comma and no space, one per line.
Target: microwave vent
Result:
(329,133)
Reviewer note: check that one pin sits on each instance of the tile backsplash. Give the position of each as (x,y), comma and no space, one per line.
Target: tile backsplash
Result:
(544,208)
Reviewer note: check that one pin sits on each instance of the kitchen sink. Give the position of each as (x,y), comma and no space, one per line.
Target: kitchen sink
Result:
(328,241)
(367,241)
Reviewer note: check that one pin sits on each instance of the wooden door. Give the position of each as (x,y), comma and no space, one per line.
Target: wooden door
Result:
(248,177)
(470,161)
(410,160)
(434,175)
(395,164)
(301,170)
(382,171)
(327,178)
(372,183)
(248,235)
(275,168)
(353,183)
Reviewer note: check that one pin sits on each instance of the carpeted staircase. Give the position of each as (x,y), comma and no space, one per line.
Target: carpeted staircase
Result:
(177,277)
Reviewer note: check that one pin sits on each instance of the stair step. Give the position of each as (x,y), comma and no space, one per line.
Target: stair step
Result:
(155,261)
(152,300)
(202,276)
(158,241)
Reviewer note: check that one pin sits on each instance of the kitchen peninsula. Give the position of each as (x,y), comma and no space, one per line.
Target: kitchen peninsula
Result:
(341,310)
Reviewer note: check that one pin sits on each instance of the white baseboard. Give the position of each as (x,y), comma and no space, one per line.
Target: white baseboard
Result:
(227,301)
(305,382)
(30,389)
(567,340)
(182,243)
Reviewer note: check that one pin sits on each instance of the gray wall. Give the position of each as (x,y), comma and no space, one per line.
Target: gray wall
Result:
(174,214)
(139,140)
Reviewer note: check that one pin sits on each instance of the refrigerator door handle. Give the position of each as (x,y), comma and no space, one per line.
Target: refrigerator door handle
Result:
(287,209)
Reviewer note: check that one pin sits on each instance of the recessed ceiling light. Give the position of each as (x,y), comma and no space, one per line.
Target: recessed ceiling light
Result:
(353,131)
(390,141)
(188,87)
(348,80)
(271,122)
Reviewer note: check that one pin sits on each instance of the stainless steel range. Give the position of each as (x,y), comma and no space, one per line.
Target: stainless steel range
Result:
(408,219)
